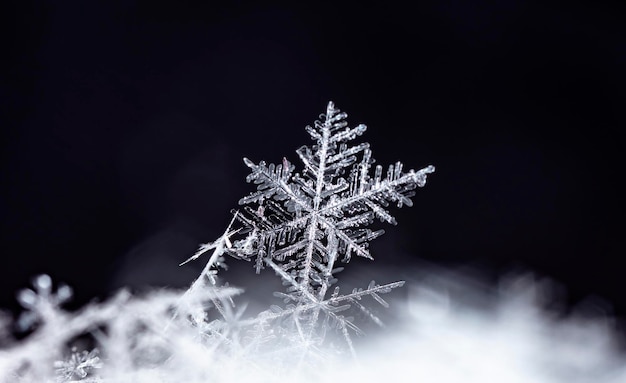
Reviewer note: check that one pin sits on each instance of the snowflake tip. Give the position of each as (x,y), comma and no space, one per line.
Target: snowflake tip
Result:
(43,282)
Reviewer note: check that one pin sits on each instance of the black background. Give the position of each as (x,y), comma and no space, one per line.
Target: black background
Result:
(124,125)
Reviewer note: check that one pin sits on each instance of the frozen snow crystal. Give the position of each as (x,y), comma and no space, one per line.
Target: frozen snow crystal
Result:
(302,224)
(78,365)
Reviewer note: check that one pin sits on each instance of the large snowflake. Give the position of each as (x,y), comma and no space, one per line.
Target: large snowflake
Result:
(301,224)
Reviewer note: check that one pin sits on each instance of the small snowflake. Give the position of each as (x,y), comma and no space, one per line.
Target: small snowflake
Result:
(78,366)
(42,303)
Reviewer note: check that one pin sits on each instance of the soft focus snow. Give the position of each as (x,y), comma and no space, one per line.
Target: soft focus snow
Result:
(446,329)
(505,337)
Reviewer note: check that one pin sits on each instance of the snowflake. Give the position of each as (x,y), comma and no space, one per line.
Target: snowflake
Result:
(41,304)
(301,224)
(78,366)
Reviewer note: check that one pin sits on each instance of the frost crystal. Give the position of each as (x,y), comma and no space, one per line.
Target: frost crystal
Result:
(78,366)
(301,224)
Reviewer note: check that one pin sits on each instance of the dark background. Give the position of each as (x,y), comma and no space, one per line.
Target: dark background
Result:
(124,125)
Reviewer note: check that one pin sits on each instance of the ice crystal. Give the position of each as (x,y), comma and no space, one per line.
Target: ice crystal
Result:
(301,224)
(41,303)
(78,366)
